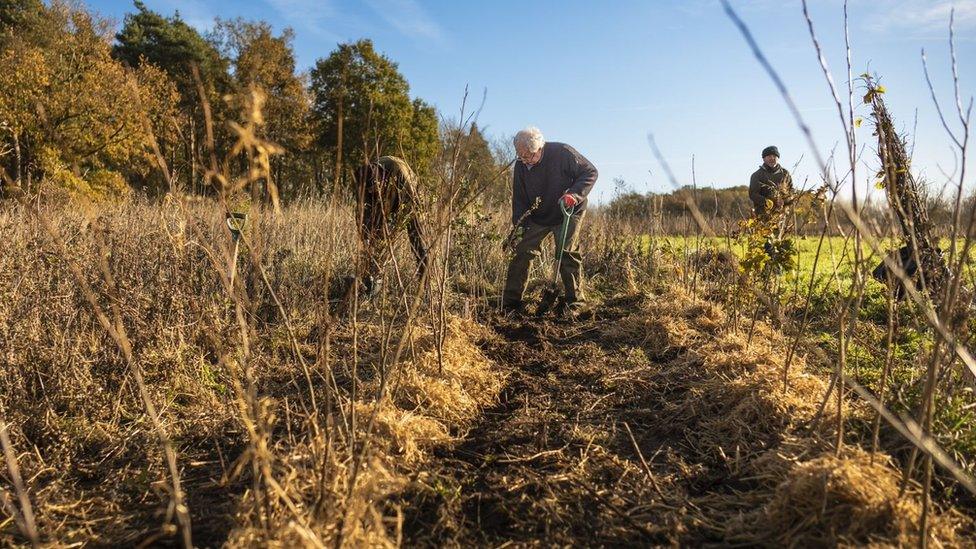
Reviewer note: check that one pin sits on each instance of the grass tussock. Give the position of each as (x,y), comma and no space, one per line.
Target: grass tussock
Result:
(434,399)
(454,386)
(847,500)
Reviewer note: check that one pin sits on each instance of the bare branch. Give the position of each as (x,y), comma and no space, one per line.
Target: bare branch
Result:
(695,212)
(26,519)
(778,82)
(935,100)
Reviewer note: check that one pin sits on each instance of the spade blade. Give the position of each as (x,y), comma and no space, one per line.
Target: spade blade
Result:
(549,296)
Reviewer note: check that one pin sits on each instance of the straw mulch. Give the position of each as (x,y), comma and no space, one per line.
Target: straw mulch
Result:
(771,481)
(425,404)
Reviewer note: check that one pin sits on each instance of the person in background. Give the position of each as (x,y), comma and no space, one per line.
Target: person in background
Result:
(387,200)
(770,183)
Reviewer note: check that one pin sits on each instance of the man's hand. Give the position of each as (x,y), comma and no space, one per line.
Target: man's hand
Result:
(569,200)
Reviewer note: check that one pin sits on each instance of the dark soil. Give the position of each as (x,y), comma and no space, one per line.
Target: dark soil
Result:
(552,462)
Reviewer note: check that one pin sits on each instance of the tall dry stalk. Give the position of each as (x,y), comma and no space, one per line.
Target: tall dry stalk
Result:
(116,329)
(25,517)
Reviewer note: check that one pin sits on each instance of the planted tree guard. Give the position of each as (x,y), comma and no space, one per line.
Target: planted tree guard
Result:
(905,199)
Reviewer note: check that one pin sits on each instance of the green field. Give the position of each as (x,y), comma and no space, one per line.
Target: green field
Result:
(866,350)
(834,268)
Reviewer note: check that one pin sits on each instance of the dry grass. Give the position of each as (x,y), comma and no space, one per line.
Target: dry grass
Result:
(456,390)
(266,451)
(848,500)
(93,468)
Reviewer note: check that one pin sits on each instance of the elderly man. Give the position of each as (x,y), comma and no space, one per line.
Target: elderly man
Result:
(769,183)
(545,175)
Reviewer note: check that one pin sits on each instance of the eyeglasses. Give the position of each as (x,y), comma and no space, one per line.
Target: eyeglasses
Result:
(530,157)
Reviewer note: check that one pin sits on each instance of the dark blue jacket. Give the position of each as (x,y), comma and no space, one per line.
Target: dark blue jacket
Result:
(562,170)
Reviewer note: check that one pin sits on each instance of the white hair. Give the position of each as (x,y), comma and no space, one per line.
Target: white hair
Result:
(530,138)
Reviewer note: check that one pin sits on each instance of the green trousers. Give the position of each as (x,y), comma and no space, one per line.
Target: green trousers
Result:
(527,249)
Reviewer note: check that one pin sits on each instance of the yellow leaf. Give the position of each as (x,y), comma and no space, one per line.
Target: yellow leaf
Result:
(879,185)
(858,122)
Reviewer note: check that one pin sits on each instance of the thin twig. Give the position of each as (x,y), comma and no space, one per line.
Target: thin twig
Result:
(647,468)
(25,521)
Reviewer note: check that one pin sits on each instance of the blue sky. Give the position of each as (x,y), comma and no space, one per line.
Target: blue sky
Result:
(602,75)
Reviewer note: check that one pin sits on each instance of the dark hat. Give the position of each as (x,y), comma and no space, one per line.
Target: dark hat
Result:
(770,150)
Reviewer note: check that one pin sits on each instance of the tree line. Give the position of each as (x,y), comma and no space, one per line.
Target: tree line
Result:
(95,110)
(724,208)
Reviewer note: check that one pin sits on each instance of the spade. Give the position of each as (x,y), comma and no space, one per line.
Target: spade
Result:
(551,292)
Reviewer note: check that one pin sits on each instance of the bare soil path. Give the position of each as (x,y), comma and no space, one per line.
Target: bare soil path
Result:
(554,461)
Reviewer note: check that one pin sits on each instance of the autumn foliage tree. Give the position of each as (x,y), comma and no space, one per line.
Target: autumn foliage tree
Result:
(178,49)
(70,113)
(94,109)
(267,62)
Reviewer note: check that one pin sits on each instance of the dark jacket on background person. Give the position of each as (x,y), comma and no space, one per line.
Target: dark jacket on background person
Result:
(904,257)
(562,170)
(765,184)
(387,195)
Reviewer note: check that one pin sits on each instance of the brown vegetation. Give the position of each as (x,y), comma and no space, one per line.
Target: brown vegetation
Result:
(527,425)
